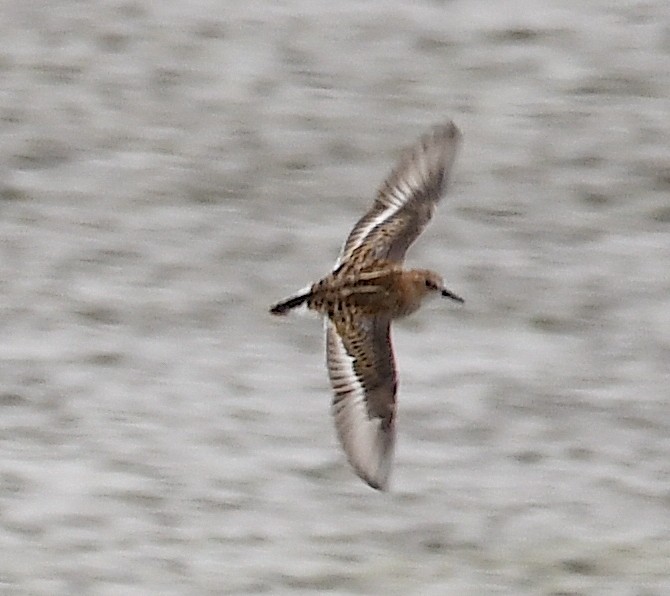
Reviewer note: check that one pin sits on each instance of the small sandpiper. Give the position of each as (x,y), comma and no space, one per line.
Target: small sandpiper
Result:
(367,289)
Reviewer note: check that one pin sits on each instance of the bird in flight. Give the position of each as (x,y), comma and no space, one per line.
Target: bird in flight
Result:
(367,289)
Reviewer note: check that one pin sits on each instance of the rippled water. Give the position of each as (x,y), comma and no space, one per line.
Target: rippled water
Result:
(170,170)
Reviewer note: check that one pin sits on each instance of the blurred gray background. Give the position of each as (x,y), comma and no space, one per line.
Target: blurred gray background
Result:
(167,170)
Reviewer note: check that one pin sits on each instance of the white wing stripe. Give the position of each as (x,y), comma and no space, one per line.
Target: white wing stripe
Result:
(420,175)
(363,232)
(361,437)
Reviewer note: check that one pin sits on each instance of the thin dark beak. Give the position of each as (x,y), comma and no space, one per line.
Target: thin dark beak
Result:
(447,294)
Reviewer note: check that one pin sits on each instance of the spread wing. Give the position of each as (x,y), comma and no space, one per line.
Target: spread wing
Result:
(362,374)
(406,200)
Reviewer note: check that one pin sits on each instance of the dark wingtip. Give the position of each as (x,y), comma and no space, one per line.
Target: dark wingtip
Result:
(449,129)
(382,488)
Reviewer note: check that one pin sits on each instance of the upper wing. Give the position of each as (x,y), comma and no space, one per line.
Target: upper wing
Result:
(406,200)
(362,374)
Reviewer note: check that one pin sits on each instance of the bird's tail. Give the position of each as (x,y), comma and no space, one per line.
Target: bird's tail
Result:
(281,308)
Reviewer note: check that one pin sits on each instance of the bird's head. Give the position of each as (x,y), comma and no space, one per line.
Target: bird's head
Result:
(428,283)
